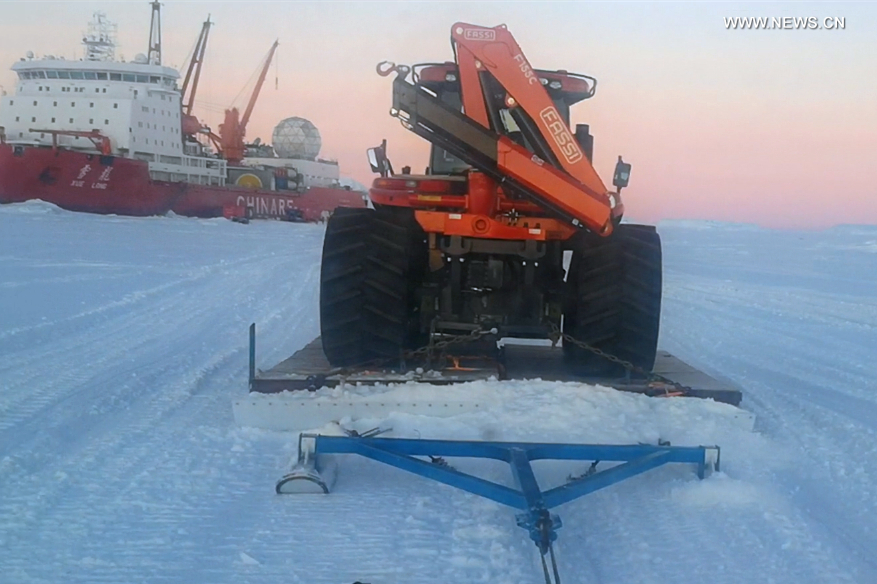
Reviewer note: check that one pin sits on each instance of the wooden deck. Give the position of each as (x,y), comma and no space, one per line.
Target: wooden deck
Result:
(308,369)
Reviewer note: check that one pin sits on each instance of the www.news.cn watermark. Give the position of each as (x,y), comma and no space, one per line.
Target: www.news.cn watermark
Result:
(785,23)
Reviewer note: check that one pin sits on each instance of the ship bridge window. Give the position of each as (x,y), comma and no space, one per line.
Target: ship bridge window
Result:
(128,77)
(115,76)
(23,75)
(63,74)
(38,75)
(52,74)
(102,76)
(76,75)
(90,75)
(155,79)
(143,79)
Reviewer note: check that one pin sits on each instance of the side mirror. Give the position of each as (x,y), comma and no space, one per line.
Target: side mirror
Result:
(622,174)
(377,159)
(373,159)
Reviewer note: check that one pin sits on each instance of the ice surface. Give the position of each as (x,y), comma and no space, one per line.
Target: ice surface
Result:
(123,343)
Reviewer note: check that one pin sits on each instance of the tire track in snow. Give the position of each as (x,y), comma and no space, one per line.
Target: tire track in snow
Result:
(108,387)
(814,403)
(132,432)
(78,359)
(83,360)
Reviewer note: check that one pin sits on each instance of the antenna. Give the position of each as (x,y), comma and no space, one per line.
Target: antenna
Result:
(154,54)
(100,40)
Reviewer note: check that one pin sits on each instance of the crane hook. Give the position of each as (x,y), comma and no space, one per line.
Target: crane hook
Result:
(384,68)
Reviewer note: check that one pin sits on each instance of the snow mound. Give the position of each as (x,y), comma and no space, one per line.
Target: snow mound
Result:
(32,207)
(849,229)
(532,410)
(705,225)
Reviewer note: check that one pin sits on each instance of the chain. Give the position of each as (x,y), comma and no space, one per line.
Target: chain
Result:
(679,389)
(430,349)
(427,351)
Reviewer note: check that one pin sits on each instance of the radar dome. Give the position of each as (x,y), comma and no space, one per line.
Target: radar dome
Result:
(296,138)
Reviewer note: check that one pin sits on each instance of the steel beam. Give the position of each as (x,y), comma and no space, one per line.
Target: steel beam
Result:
(535,503)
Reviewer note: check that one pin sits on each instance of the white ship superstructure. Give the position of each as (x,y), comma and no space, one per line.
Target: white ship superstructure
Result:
(135,105)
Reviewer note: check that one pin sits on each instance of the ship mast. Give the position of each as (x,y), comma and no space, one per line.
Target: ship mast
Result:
(100,41)
(155,34)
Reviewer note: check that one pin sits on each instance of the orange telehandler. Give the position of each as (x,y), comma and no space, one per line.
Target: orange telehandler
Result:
(476,245)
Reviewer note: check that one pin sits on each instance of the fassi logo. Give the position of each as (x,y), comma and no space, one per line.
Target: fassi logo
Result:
(479,34)
(561,134)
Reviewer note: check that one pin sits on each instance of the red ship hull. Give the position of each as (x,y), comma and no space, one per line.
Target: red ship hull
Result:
(92,183)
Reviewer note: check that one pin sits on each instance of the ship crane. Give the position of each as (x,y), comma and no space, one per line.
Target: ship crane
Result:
(193,73)
(233,129)
(191,125)
(101,142)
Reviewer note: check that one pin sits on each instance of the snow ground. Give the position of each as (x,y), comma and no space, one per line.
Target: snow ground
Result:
(123,343)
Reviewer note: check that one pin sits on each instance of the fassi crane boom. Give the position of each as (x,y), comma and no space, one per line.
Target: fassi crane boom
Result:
(494,50)
(554,174)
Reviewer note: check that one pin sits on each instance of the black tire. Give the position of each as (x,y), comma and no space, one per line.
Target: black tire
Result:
(614,300)
(373,263)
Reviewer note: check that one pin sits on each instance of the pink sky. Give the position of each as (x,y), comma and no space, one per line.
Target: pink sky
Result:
(775,127)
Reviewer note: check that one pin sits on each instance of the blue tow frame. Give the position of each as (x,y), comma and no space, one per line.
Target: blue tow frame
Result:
(528,497)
